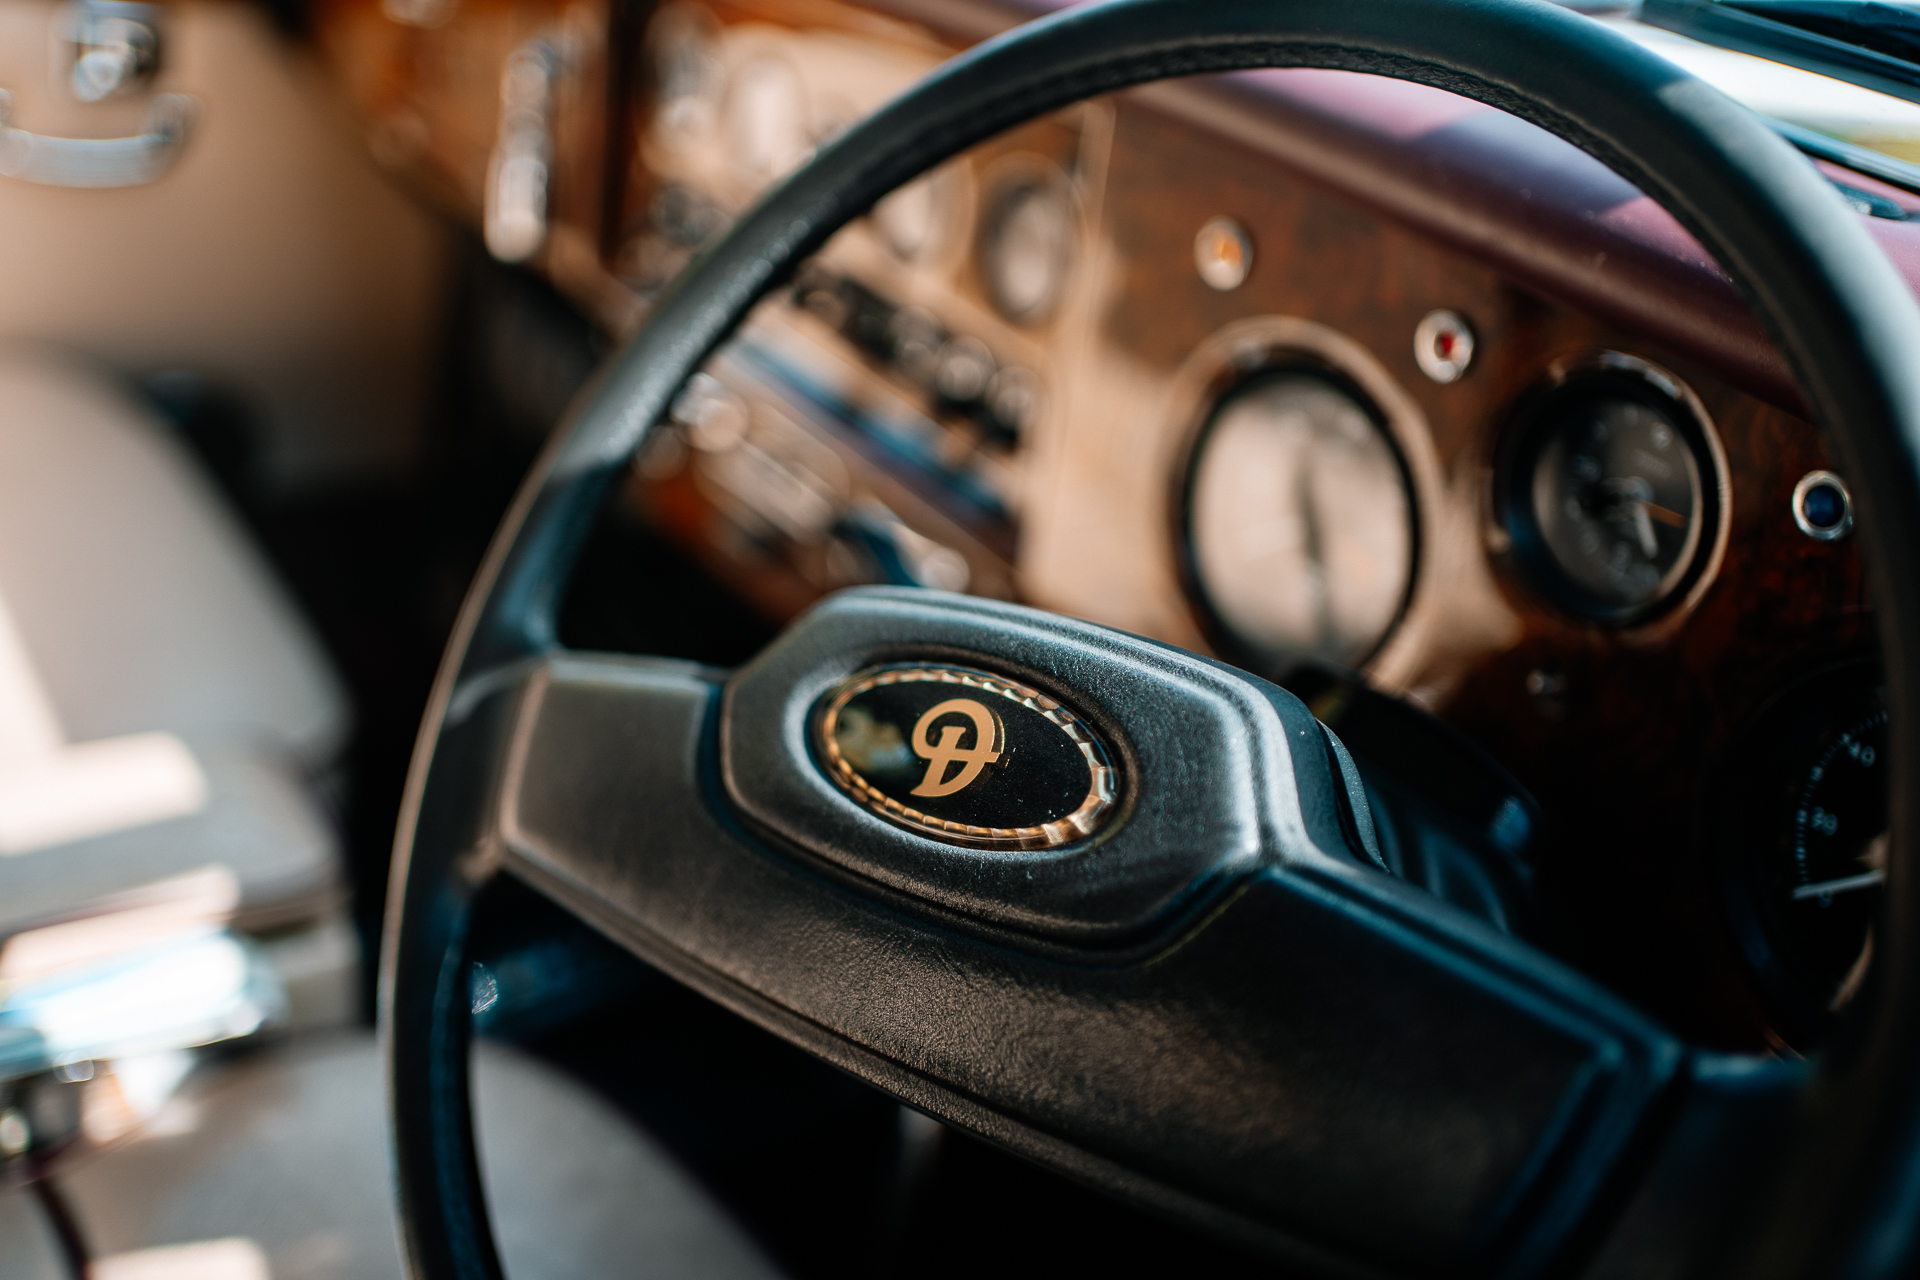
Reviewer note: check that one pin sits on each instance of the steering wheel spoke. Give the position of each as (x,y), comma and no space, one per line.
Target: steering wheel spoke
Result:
(1290,1045)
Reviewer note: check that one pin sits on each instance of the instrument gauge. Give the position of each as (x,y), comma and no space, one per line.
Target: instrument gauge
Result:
(1804,840)
(1612,493)
(765,116)
(1027,246)
(1299,523)
(908,219)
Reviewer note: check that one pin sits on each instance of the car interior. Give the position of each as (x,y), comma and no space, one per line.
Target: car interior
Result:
(904,637)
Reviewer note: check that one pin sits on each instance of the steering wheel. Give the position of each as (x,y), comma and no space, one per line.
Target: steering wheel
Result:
(1153,953)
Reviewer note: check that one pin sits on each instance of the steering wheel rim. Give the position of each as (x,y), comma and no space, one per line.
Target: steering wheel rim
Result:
(1842,1196)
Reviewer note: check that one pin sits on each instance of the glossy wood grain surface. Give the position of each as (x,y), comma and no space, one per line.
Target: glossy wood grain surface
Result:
(1621,745)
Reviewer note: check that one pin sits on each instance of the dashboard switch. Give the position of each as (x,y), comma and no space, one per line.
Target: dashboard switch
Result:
(1822,507)
(1443,346)
(116,48)
(1223,254)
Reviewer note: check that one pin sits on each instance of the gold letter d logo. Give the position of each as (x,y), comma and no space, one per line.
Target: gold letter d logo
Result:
(948,751)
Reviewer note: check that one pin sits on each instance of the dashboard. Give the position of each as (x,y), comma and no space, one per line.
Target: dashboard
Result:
(1365,388)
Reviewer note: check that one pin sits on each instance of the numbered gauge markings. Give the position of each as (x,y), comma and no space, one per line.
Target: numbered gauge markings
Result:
(965,756)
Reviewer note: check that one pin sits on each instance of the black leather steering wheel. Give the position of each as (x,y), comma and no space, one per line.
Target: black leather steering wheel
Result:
(1211,1003)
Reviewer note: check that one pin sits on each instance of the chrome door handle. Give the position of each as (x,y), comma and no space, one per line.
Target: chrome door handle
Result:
(97,162)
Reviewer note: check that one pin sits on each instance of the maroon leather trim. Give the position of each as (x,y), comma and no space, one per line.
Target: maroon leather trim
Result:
(1538,210)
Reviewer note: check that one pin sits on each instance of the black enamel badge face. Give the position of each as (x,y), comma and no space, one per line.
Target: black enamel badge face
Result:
(964,756)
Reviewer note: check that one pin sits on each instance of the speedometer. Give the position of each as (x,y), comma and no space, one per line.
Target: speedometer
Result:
(1802,820)
(1299,524)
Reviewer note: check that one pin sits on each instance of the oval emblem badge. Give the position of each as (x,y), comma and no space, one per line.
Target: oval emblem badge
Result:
(965,756)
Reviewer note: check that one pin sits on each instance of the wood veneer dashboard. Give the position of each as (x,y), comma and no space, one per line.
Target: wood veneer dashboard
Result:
(887,418)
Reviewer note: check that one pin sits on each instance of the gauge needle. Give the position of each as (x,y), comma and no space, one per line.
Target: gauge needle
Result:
(1644,513)
(1326,635)
(1664,516)
(1628,500)
(1644,527)
(1845,884)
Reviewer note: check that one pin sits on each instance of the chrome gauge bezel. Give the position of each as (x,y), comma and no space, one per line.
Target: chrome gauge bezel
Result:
(1275,363)
(1525,440)
(1011,180)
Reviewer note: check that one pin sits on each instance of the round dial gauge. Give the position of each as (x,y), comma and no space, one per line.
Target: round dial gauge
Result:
(766,121)
(1613,495)
(1026,247)
(1300,526)
(1806,838)
(908,219)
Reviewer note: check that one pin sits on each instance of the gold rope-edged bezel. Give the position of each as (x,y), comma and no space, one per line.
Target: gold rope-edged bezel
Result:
(1083,821)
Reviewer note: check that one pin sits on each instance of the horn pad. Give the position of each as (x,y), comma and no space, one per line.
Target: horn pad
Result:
(1022,769)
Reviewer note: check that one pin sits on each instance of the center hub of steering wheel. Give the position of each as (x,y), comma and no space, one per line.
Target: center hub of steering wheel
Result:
(915,739)
(965,756)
